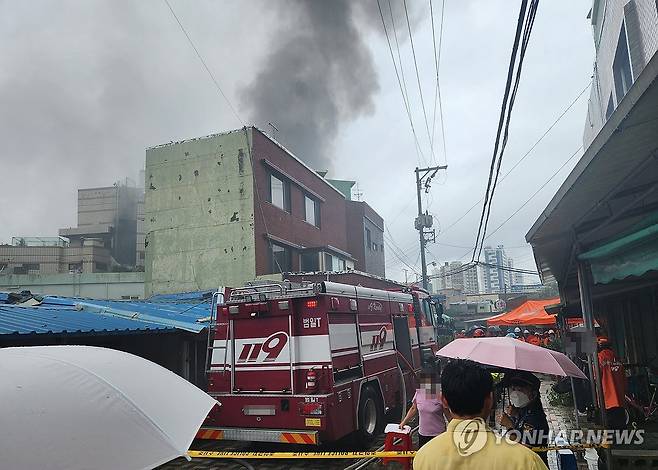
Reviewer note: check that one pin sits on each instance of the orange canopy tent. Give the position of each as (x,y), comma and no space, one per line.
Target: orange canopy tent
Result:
(530,312)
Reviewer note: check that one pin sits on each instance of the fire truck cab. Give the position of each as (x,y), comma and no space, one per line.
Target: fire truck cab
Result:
(312,363)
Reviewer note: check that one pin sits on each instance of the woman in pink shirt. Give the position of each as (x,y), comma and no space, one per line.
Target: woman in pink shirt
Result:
(432,416)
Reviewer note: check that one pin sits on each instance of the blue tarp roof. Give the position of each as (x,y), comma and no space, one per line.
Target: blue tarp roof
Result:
(69,314)
(15,319)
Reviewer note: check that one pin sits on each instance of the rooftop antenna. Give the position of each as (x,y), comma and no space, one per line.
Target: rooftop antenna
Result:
(274,130)
(358,194)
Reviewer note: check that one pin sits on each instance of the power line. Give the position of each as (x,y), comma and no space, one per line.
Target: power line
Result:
(536,192)
(523,30)
(420,88)
(507,268)
(530,20)
(397,47)
(501,120)
(530,198)
(400,258)
(405,253)
(198,54)
(472,264)
(437,91)
(394,246)
(419,151)
(525,155)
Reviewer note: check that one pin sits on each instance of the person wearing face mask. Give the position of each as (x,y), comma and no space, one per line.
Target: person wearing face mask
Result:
(468,443)
(525,411)
(432,416)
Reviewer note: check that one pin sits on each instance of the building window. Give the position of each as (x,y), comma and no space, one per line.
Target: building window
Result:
(328,262)
(368,238)
(279,192)
(610,108)
(311,211)
(280,259)
(621,67)
(31,267)
(335,263)
(75,267)
(309,262)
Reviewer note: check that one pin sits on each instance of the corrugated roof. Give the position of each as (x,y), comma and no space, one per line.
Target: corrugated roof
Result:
(56,315)
(19,320)
(191,316)
(189,297)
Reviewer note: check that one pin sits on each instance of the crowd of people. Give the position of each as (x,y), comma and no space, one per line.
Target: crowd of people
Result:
(455,410)
(455,414)
(546,338)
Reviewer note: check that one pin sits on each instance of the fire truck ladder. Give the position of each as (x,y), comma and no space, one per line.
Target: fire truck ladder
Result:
(213,327)
(257,292)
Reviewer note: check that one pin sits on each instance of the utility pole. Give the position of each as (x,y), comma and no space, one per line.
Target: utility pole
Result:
(424,220)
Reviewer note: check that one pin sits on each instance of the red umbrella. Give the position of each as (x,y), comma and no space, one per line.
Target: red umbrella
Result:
(510,353)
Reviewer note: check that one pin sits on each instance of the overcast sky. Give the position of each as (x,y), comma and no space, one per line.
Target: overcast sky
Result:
(86,86)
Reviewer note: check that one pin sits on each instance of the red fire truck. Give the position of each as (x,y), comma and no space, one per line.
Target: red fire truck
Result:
(313,363)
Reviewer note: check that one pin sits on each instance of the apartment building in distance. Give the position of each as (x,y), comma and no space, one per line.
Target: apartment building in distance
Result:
(231,207)
(109,236)
(453,275)
(109,214)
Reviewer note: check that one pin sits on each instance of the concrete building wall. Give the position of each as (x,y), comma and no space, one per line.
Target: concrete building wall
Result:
(199,214)
(636,21)
(94,286)
(43,259)
(141,233)
(90,258)
(97,206)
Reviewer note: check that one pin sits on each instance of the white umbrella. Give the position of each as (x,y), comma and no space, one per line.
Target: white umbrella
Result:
(81,407)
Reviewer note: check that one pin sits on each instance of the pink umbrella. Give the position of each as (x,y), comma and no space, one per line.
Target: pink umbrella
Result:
(511,353)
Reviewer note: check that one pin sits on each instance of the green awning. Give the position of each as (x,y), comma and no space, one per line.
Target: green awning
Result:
(631,255)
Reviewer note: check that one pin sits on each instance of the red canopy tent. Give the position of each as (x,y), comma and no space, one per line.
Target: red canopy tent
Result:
(530,312)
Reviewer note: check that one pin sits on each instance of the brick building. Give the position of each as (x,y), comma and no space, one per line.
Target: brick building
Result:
(231,207)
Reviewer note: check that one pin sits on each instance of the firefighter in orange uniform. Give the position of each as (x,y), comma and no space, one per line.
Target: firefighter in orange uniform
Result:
(613,382)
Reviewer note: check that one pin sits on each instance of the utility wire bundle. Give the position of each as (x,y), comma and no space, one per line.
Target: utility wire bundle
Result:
(524,26)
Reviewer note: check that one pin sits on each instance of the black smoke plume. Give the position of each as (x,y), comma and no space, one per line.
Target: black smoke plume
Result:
(318,75)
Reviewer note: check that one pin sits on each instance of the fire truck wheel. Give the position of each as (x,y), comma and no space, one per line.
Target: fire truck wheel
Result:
(371,415)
